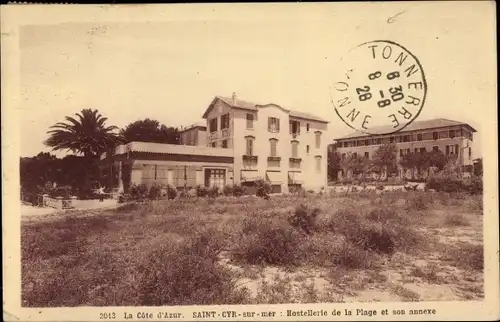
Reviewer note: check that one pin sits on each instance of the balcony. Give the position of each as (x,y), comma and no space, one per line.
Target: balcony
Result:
(213,135)
(250,158)
(225,133)
(273,158)
(295,160)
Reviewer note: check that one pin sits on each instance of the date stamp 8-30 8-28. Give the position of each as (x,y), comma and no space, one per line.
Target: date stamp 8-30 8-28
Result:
(383,84)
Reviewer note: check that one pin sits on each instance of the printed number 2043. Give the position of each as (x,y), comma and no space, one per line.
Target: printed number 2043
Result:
(107,316)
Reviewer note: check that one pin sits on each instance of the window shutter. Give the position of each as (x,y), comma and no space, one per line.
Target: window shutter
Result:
(269,123)
(447,149)
(277,125)
(456,148)
(298,127)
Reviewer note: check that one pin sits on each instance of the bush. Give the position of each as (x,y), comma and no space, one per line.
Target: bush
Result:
(238,190)
(138,192)
(268,241)
(263,189)
(227,190)
(213,192)
(455,220)
(201,191)
(189,275)
(171,192)
(304,218)
(155,191)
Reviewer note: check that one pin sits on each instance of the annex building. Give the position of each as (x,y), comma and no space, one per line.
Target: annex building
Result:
(448,136)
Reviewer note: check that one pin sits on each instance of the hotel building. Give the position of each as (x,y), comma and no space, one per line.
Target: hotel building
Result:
(242,142)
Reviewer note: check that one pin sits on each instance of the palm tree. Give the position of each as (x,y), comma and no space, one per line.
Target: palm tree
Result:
(86,134)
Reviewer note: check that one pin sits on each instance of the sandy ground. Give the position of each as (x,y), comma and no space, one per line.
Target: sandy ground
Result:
(30,211)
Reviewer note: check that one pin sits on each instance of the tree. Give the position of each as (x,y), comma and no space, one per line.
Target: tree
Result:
(384,159)
(149,130)
(478,167)
(86,134)
(333,160)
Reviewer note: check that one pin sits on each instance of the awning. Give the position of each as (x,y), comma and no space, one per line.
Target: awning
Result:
(295,177)
(249,176)
(274,177)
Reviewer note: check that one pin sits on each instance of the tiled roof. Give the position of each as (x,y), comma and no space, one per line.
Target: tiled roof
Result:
(417,125)
(254,107)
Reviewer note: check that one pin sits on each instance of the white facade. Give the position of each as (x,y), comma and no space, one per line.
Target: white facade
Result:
(270,154)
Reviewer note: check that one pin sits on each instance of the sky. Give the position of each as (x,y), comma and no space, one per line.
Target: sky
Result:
(170,70)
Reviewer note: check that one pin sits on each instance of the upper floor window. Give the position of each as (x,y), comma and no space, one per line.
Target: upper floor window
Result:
(213,125)
(295,149)
(379,141)
(435,135)
(249,121)
(224,121)
(345,144)
(318,163)
(419,137)
(391,139)
(249,150)
(273,124)
(307,149)
(367,142)
(307,127)
(452,134)
(295,127)
(273,143)
(406,138)
(318,140)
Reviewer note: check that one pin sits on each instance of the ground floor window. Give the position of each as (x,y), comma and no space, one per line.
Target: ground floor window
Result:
(215,178)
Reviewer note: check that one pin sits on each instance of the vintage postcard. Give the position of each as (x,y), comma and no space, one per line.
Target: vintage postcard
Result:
(250,162)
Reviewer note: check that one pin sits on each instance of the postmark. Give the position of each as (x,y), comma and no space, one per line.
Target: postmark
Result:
(383,85)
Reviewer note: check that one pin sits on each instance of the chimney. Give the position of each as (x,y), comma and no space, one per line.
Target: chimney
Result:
(234,98)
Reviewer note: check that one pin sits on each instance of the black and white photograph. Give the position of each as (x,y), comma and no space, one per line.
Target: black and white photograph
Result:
(319,161)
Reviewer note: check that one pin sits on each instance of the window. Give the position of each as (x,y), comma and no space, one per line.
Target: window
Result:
(249,121)
(367,155)
(406,138)
(307,127)
(273,124)
(435,148)
(307,149)
(452,134)
(249,146)
(214,144)
(379,141)
(318,164)
(224,144)
(318,140)
(213,125)
(345,144)
(367,142)
(452,149)
(419,137)
(423,150)
(224,121)
(295,148)
(435,135)
(295,127)
(273,143)
(470,153)
(391,139)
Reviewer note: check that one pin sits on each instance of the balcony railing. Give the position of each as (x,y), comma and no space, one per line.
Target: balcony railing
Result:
(250,158)
(273,158)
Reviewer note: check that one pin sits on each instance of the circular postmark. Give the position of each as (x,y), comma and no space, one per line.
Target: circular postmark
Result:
(382,89)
